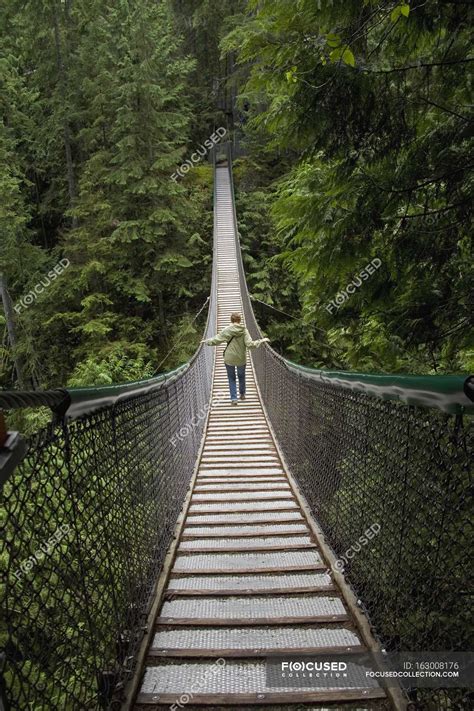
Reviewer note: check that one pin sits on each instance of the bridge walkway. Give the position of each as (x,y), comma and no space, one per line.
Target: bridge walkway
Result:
(249,578)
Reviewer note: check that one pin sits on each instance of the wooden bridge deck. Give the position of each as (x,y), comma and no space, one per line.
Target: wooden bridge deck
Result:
(249,578)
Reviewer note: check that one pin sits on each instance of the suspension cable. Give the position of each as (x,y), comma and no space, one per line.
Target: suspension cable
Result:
(300,320)
(181,338)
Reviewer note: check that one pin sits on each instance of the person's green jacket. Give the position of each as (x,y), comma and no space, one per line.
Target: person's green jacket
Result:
(238,340)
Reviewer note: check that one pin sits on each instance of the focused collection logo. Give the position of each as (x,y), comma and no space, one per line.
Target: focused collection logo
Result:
(312,666)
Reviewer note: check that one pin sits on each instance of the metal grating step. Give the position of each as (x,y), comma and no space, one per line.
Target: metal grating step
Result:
(272,505)
(257,459)
(242,470)
(246,530)
(223,428)
(262,494)
(245,518)
(226,485)
(236,476)
(243,413)
(237,677)
(251,582)
(242,464)
(216,450)
(253,640)
(202,544)
(238,439)
(250,453)
(217,610)
(247,562)
(250,408)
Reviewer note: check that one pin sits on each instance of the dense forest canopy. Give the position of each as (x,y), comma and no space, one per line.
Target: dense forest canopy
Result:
(96,116)
(352,121)
(369,104)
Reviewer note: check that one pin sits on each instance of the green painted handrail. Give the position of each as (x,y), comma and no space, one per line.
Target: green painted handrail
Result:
(446,392)
(98,391)
(94,397)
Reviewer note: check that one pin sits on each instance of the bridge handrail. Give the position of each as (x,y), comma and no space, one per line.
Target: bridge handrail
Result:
(78,400)
(450,393)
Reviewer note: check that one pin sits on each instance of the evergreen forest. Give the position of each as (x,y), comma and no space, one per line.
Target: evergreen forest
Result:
(351,126)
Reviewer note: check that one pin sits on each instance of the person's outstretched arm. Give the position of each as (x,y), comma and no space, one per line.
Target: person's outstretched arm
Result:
(216,340)
(254,344)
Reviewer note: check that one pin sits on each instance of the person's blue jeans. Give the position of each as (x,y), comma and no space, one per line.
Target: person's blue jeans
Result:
(233,381)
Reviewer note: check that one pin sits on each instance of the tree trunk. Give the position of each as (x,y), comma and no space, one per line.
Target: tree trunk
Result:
(71,180)
(8,309)
(162,319)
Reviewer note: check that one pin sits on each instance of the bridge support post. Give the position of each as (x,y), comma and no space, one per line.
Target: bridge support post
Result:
(12,450)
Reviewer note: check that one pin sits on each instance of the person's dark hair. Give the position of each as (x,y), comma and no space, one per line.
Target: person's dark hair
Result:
(235,318)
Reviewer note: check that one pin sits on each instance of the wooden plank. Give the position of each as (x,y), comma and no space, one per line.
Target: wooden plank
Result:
(232,474)
(241,465)
(203,499)
(279,697)
(245,523)
(248,549)
(269,479)
(176,573)
(217,510)
(249,621)
(240,489)
(155,654)
(232,592)
(245,534)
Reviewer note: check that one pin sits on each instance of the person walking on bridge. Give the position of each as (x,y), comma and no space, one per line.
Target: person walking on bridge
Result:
(235,353)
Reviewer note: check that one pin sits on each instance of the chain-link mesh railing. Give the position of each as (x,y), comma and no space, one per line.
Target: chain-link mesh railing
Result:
(86,521)
(404,470)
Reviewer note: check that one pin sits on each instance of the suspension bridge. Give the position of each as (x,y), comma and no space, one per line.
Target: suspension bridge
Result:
(160,546)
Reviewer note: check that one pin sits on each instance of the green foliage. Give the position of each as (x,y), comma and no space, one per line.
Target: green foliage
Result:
(203,23)
(371,106)
(89,141)
(119,364)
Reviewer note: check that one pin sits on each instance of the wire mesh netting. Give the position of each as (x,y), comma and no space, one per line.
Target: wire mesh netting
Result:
(87,519)
(390,485)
